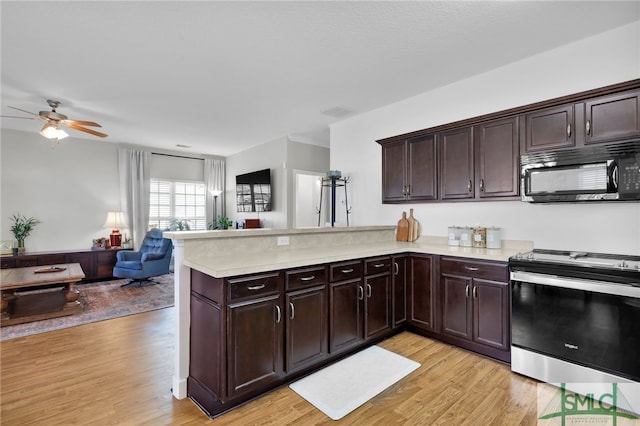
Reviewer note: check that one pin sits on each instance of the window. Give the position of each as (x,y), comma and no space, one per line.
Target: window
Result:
(177,200)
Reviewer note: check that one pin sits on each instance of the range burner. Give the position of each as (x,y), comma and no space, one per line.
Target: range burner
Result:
(599,266)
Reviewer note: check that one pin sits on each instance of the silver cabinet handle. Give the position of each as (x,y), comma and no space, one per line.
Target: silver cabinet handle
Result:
(307,278)
(293,311)
(378,265)
(481,185)
(466,291)
(368,291)
(588,127)
(569,130)
(475,292)
(396,268)
(470,268)
(278,314)
(404,190)
(347,271)
(469,186)
(408,189)
(256,287)
(360,292)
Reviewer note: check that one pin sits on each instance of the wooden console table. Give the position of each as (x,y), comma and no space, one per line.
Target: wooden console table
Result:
(96,264)
(35,306)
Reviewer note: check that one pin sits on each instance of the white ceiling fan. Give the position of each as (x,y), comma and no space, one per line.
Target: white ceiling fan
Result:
(54,121)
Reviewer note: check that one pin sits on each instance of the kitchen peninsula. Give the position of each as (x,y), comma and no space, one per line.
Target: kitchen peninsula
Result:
(228,284)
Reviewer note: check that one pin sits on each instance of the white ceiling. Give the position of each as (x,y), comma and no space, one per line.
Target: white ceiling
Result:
(221,77)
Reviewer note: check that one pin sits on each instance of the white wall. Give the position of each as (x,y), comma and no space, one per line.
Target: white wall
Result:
(70,188)
(608,58)
(282,156)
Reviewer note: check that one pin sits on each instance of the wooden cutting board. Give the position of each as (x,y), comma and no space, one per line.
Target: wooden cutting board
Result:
(402,231)
(414,227)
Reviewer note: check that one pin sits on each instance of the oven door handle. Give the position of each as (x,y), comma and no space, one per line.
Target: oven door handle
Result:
(618,289)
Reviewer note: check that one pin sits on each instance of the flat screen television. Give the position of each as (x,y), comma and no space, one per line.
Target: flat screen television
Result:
(253,191)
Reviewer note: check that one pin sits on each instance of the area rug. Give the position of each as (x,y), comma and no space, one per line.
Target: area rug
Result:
(103,300)
(342,387)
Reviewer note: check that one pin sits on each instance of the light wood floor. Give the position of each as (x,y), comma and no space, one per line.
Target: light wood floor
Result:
(118,372)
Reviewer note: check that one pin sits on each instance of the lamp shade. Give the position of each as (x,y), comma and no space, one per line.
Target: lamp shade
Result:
(215,192)
(114,220)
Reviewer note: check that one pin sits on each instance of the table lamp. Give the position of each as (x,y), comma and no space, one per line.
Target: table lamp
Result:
(114,221)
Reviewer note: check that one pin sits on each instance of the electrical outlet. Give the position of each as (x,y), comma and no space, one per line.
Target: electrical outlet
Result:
(283,241)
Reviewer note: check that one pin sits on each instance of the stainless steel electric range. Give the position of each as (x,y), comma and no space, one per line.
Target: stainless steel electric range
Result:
(575,316)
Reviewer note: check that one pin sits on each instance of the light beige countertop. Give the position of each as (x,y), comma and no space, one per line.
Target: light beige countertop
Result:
(226,265)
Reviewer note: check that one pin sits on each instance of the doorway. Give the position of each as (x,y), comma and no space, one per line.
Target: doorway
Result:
(307,199)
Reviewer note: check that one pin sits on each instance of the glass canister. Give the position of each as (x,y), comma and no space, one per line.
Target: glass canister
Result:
(494,238)
(454,235)
(480,237)
(466,236)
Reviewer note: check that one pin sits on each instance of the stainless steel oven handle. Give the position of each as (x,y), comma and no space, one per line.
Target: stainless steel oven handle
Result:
(626,290)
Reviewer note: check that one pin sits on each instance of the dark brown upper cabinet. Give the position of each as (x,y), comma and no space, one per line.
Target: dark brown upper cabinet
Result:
(409,170)
(497,158)
(456,162)
(613,117)
(550,128)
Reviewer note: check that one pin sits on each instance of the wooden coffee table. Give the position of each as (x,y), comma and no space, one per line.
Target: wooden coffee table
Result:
(43,304)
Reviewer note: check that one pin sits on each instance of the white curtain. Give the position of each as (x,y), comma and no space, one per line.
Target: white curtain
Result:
(214,180)
(134,168)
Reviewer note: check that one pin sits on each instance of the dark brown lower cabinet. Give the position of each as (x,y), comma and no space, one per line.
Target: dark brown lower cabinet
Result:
(346,321)
(421,297)
(399,278)
(254,348)
(307,337)
(475,305)
(249,334)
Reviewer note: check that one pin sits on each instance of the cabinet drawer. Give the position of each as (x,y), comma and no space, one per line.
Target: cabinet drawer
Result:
(305,277)
(254,286)
(345,270)
(475,269)
(377,265)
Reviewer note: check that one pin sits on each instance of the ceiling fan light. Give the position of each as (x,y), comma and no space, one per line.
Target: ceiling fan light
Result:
(51,131)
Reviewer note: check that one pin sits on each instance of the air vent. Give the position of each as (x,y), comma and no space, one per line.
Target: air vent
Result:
(337,112)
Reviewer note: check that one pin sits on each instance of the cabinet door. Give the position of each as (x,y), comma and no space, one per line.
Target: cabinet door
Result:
(421,169)
(307,338)
(421,292)
(456,306)
(613,117)
(345,314)
(254,347)
(87,263)
(377,293)
(497,158)
(399,290)
(105,261)
(549,129)
(394,157)
(491,313)
(456,178)
(207,344)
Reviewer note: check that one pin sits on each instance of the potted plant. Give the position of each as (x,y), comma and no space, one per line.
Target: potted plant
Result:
(224,222)
(126,243)
(179,225)
(21,228)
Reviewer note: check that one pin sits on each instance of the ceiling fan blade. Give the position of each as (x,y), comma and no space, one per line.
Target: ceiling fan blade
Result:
(82,129)
(28,112)
(14,116)
(81,123)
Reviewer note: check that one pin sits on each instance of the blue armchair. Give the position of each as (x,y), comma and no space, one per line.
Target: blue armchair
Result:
(151,260)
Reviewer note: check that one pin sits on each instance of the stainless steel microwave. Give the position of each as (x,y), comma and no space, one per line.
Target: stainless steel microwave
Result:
(601,173)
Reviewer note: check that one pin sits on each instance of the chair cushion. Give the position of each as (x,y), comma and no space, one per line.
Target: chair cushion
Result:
(129,264)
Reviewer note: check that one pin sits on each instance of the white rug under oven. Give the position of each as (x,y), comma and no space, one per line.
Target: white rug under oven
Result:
(342,387)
